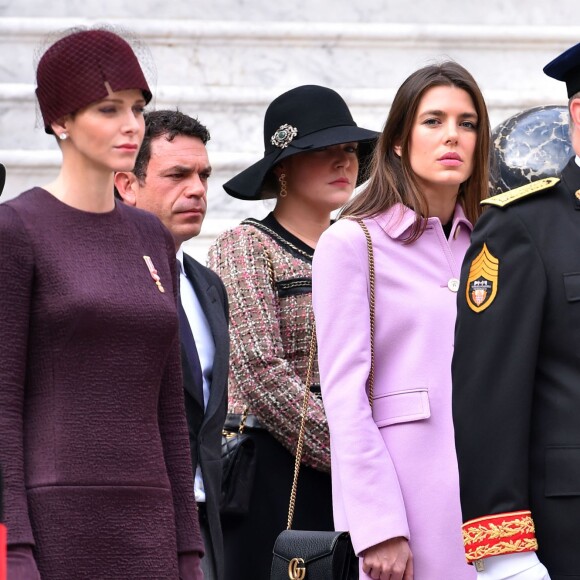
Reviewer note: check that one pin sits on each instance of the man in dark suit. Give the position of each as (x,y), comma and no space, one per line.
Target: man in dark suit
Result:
(516,373)
(170,180)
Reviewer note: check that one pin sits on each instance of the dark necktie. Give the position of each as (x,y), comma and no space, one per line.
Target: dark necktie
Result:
(190,349)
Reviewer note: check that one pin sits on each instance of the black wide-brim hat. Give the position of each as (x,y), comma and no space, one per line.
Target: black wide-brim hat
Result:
(303,119)
(2,177)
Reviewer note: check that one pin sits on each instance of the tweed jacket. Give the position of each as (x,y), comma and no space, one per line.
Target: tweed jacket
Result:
(394,470)
(268,280)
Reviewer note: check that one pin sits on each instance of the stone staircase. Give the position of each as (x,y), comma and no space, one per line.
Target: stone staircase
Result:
(228,63)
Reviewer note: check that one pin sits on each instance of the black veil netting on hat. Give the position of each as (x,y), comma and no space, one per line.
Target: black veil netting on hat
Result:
(141,50)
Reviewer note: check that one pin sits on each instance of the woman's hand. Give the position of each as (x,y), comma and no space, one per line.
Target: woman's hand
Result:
(189,566)
(21,563)
(389,560)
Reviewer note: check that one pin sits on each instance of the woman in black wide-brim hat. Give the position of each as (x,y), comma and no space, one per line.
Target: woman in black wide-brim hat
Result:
(314,157)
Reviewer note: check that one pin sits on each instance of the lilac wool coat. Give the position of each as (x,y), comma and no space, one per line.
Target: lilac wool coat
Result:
(394,469)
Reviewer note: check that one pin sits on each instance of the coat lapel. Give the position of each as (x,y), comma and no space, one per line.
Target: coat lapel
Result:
(208,296)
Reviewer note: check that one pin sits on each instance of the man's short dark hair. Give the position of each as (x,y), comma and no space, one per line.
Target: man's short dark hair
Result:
(168,124)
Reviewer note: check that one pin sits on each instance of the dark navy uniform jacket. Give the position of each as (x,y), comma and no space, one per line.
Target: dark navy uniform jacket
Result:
(516,379)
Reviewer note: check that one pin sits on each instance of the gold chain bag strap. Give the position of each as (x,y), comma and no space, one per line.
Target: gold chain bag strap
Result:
(319,555)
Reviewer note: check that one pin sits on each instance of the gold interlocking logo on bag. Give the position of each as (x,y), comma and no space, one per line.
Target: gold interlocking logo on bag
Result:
(481,287)
(296,569)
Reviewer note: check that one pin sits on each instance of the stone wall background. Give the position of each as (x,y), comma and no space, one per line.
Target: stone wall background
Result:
(225,60)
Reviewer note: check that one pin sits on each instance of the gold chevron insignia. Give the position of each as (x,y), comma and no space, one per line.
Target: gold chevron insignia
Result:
(508,197)
(481,287)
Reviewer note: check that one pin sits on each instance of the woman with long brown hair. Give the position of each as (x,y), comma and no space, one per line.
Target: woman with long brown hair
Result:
(394,470)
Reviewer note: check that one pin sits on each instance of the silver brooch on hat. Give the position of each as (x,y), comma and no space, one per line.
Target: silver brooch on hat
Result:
(283,136)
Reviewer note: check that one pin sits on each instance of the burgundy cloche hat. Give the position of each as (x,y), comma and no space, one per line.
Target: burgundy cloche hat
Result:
(73,71)
(303,119)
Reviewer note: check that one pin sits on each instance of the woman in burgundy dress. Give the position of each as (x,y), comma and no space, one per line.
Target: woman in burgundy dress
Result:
(93,436)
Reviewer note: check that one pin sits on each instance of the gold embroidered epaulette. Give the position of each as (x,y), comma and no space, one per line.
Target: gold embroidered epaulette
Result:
(503,199)
(499,534)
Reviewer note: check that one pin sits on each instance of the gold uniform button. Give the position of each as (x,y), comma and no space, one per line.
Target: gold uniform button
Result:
(453,284)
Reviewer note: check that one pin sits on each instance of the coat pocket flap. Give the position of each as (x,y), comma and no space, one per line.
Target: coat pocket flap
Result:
(572,286)
(562,471)
(401,407)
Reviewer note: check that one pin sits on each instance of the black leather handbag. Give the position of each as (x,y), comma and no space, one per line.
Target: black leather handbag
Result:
(317,555)
(314,555)
(311,555)
(238,470)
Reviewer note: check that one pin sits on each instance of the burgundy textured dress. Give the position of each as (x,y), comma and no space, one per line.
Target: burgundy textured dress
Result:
(93,439)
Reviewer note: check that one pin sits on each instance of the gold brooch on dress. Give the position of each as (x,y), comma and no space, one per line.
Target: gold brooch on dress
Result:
(154,274)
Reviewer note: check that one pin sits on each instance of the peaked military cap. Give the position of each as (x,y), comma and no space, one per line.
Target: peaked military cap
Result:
(566,68)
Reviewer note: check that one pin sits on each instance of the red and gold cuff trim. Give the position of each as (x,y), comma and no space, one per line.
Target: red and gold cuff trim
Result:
(499,534)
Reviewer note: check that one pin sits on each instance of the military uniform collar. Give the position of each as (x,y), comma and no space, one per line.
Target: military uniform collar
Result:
(571,179)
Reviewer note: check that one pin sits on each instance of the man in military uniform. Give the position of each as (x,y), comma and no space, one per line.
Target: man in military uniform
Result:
(516,374)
